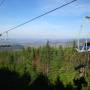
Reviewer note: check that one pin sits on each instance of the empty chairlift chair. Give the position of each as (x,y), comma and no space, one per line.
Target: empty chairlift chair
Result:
(84,47)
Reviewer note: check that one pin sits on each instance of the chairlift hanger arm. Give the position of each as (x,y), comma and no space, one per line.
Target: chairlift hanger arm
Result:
(87,17)
(0,35)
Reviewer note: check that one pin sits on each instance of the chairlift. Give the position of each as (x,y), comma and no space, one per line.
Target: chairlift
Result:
(85,47)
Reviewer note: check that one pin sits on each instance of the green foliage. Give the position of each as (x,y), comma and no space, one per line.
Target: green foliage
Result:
(53,62)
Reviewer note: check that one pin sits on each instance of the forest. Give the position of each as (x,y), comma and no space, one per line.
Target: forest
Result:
(44,68)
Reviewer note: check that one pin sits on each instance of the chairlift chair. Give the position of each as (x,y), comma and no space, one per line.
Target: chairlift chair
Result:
(85,47)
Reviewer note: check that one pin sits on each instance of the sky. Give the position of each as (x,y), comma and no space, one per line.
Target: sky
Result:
(61,24)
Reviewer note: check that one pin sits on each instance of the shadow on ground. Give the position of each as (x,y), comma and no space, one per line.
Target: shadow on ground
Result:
(12,81)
